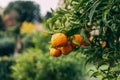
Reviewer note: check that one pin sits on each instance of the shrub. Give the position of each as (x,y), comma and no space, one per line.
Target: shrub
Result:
(35,65)
(37,40)
(1,23)
(5,70)
(6,46)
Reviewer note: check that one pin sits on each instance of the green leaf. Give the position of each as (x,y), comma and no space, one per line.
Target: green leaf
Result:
(64,19)
(82,33)
(75,42)
(72,31)
(54,18)
(81,3)
(95,74)
(95,5)
(62,11)
(104,17)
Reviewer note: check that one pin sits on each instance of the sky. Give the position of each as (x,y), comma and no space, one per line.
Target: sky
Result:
(45,5)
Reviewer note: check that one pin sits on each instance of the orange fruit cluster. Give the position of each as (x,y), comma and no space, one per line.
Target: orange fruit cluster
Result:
(64,45)
(60,43)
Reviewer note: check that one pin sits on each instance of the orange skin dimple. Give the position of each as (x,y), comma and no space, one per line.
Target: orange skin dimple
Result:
(59,39)
(66,49)
(55,52)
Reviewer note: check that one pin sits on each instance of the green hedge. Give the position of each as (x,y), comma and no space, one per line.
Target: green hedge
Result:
(36,40)
(5,70)
(1,23)
(35,65)
(6,46)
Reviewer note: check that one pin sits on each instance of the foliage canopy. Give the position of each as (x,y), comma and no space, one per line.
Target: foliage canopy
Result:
(103,15)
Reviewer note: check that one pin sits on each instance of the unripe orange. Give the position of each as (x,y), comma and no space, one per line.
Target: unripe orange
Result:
(59,39)
(55,52)
(66,49)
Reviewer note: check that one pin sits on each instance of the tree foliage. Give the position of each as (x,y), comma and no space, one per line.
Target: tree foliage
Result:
(1,23)
(104,15)
(27,10)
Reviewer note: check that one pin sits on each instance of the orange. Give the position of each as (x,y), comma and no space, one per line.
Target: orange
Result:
(104,43)
(66,49)
(55,52)
(79,38)
(59,39)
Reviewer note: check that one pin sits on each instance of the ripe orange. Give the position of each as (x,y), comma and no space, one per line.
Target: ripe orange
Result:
(59,39)
(55,52)
(79,38)
(66,49)
(104,43)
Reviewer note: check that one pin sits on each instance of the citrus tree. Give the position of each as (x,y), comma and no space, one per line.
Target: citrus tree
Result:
(94,27)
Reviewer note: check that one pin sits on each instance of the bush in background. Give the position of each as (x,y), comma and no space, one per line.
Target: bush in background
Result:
(6,46)
(35,65)
(37,40)
(5,71)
